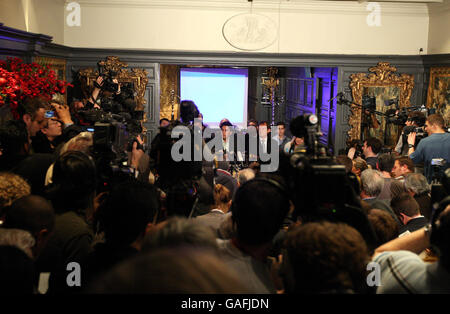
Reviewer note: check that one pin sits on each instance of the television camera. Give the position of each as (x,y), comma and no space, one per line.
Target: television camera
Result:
(320,188)
(116,127)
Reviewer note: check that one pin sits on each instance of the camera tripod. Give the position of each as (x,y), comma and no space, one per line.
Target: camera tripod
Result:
(364,116)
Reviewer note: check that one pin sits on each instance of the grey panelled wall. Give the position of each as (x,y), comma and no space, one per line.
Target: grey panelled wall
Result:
(26,45)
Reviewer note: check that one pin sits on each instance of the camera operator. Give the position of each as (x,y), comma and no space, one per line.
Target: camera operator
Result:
(106,90)
(370,150)
(415,120)
(96,92)
(436,145)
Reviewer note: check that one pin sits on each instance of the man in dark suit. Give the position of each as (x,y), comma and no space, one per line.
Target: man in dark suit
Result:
(408,211)
(265,142)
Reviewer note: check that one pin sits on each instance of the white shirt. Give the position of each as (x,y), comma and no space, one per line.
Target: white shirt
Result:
(264,144)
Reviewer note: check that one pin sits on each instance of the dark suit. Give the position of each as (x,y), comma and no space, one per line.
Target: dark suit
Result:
(270,144)
(413,225)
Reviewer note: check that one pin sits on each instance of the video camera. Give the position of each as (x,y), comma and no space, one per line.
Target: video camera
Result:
(108,82)
(358,145)
(321,189)
(307,127)
(115,127)
(369,102)
(398,118)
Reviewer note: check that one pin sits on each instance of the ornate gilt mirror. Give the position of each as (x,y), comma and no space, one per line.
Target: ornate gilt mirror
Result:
(136,78)
(388,91)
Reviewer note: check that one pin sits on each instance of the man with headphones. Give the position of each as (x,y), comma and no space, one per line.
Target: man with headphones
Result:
(416,119)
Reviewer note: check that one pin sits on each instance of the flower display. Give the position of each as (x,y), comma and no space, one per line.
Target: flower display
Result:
(19,80)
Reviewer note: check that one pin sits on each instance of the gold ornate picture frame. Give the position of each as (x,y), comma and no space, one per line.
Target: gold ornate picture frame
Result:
(438,96)
(57,65)
(382,83)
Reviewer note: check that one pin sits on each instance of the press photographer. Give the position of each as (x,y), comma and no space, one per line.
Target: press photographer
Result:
(435,146)
(415,122)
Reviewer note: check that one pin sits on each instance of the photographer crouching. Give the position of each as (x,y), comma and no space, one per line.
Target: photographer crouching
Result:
(432,148)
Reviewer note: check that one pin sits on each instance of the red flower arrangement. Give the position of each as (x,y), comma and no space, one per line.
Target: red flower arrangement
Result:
(19,81)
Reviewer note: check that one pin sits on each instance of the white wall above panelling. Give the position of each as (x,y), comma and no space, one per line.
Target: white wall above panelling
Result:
(303,26)
(35,16)
(439,29)
(414,7)
(335,27)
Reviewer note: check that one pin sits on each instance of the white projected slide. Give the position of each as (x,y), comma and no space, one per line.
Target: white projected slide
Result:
(218,93)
